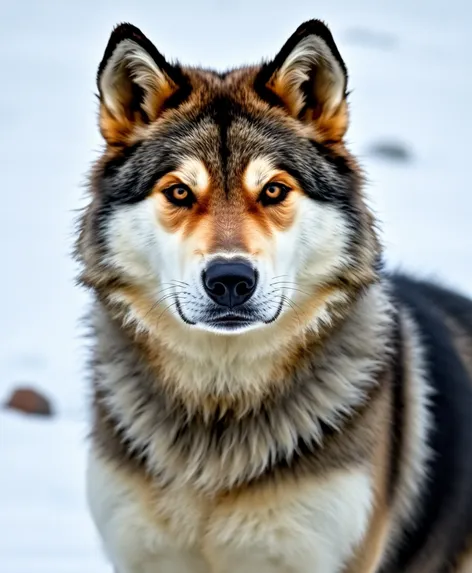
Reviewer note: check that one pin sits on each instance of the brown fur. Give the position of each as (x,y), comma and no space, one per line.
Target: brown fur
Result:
(464,564)
(207,429)
(370,551)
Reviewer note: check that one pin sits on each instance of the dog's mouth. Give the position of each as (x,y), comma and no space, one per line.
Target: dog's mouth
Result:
(230,321)
(227,321)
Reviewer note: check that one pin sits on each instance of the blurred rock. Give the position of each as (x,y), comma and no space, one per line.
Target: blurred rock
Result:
(391,151)
(29,401)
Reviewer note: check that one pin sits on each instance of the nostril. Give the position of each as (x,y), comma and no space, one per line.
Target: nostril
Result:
(243,288)
(218,289)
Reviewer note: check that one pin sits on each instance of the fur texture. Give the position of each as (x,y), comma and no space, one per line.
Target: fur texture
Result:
(299,411)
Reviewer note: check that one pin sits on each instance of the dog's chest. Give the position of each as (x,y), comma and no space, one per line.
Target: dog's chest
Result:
(296,527)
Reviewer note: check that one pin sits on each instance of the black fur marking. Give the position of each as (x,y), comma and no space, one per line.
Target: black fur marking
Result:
(113,165)
(453,303)
(136,169)
(339,162)
(178,97)
(310,28)
(306,160)
(130,185)
(173,71)
(265,93)
(129,32)
(223,111)
(447,500)
(131,175)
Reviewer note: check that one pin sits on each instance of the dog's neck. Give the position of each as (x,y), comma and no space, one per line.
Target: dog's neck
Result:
(175,407)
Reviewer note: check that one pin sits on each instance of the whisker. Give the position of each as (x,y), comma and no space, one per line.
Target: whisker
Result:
(292,301)
(167,308)
(297,290)
(159,301)
(175,282)
(169,288)
(286,299)
(285,283)
(151,308)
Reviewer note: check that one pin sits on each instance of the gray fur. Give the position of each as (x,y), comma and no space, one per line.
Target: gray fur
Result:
(179,445)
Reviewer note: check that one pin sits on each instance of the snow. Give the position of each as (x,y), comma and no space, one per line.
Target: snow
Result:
(409,68)
(44,523)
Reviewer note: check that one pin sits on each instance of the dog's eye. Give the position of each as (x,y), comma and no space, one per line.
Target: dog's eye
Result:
(273,193)
(180,195)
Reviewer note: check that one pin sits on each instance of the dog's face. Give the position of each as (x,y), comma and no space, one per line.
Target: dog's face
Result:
(225,202)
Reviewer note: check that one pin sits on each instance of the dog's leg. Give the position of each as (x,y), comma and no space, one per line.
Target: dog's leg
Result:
(171,564)
(310,526)
(135,536)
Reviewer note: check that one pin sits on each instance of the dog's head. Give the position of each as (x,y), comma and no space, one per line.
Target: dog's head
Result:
(226,202)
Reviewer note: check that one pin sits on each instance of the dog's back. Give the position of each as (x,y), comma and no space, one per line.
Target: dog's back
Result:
(443,526)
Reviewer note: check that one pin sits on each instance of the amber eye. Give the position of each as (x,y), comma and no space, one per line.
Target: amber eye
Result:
(273,193)
(180,195)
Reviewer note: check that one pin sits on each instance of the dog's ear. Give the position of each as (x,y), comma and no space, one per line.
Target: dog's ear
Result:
(135,83)
(309,78)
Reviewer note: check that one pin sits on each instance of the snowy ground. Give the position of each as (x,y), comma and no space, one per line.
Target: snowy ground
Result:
(410,71)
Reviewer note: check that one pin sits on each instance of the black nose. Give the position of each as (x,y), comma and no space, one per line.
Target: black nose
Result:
(230,283)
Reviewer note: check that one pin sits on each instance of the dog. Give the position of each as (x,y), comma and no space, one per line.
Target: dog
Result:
(267,397)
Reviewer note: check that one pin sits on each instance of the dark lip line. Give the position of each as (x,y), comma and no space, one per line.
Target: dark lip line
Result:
(181,314)
(277,314)
(228,318)
(231,318)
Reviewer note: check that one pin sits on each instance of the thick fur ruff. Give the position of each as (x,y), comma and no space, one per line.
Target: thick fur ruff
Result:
(303,411)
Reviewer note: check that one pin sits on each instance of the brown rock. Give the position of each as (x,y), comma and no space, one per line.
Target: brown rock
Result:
(29,401)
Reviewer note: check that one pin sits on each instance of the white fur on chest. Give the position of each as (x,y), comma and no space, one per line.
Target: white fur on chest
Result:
(310,527)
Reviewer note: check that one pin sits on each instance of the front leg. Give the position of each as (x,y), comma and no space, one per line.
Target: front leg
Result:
(142,531)
(299,526)
(171,563)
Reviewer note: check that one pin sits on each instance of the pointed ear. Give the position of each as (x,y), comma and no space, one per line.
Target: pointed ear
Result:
(135,83)
(309,78)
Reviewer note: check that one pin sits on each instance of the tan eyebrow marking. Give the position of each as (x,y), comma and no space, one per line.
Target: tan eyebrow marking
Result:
(258,171)
(193,173)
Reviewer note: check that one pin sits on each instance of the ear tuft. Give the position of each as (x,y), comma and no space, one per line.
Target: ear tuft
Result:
(134,82)
(309,77)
